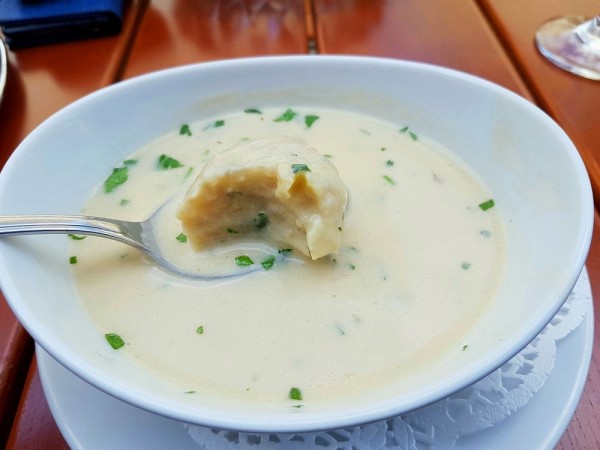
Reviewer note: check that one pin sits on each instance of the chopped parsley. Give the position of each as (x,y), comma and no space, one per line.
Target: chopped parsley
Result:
(185,130)
(465,265)
(252,111)
(166,162)
(487,204)
(412,135)
(485,233)
(115,179)
(130,162)
(76,237)
(243,260)
(232,231)
(295,394)
(261,220)
(200,329)
(73,260)
(389,163)
(268,262)
(124,202)
(465,347)
(299,168)
(389,179)
(310,119)
(181,237)
(287,116)
(215,124)
(284,251)
(114,340)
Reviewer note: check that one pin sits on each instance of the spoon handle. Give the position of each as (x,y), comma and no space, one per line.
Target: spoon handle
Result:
(59,224)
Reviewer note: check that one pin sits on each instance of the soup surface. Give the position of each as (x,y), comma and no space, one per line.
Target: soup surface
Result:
(421,257)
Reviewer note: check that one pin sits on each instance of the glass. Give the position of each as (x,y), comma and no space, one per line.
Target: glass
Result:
(572,43)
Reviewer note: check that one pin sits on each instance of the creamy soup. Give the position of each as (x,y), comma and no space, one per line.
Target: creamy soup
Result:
(421,256)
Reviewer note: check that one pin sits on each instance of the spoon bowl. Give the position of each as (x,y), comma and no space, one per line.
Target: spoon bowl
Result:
(139,235)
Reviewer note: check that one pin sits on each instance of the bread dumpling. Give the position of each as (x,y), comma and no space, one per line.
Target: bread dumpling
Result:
(278,189)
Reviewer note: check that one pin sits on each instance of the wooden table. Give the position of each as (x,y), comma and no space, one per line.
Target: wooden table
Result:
(489,38)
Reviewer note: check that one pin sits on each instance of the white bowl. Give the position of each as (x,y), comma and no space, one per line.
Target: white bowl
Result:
(526,160)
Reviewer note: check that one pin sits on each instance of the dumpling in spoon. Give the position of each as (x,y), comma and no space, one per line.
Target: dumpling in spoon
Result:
(277,188)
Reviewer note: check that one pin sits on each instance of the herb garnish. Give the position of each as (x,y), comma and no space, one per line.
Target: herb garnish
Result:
(166,162)
(243,260)
(287,116)
(296,168)
(310,119)
(389,163)
(232,231)
(465,265)
(261,220)
(130,162)
(73,260)
(181,237)
(268,262)
(115,179)
(200,329)
(295,394)
(389,180)
(284,251)
(215,124)
(487,204)
(76,237)
(124,202)
(413,135)
(252,111)
(185,130)
(114,340)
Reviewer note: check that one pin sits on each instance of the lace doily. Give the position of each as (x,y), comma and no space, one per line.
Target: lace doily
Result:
(481,405)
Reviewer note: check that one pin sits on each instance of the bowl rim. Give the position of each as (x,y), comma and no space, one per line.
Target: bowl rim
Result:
(307,422)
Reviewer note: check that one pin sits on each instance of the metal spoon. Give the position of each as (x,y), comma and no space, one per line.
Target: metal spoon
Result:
(136,234)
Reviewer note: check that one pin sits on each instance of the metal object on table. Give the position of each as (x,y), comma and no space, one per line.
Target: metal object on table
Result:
(3,66)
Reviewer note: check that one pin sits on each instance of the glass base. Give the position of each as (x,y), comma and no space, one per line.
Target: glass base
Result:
(572,43)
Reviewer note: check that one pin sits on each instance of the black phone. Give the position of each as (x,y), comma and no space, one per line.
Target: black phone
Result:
(27,23)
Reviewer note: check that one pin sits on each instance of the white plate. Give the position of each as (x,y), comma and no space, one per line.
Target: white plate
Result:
(91,419)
